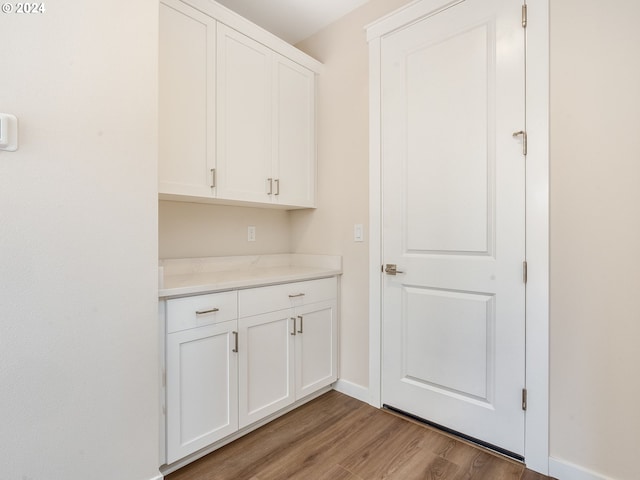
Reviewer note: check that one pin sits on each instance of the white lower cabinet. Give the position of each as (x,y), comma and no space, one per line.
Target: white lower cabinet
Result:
(285,356)
(266,368)
(316,347)
(225,373)
(202,388)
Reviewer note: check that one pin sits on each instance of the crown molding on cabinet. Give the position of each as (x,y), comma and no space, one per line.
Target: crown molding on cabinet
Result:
(241,24)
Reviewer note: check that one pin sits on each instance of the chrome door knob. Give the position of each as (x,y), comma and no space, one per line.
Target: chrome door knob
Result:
(391,269)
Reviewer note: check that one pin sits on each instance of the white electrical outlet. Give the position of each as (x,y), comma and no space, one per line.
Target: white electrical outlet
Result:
(251,233)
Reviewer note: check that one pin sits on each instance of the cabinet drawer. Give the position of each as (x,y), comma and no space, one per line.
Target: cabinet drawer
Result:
(191,312)
(254,301)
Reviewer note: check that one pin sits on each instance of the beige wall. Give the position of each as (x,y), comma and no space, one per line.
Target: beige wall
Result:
(78,257)
(189,230)
(343,157)
(595,235)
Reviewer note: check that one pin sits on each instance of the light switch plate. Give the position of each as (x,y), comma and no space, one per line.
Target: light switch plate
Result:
(251,233)
(8,132)
(358,233)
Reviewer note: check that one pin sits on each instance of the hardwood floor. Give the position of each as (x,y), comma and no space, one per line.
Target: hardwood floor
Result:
(336,437)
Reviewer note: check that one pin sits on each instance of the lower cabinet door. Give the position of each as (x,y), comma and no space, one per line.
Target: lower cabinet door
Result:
(316,347)
(202,388)
(266,370)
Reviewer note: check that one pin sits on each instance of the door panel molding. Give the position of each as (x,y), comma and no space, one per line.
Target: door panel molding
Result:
(475,382)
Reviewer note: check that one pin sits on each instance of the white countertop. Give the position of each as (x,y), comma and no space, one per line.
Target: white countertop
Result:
(189,276)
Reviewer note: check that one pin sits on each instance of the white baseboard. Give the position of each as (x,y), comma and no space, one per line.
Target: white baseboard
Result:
(563,470)
(352,389)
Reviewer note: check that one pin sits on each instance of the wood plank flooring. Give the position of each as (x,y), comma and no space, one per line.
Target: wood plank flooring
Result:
(336,437)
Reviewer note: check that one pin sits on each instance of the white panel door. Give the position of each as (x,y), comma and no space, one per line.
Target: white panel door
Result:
(266,369)
(316,347)
(244,106)
(294,133)
(453,220)
(202,388)
(186,107)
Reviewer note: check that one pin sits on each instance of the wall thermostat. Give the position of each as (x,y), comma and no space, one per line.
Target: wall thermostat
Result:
(8,132)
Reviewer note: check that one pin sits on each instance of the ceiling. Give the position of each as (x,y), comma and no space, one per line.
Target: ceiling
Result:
(292,20)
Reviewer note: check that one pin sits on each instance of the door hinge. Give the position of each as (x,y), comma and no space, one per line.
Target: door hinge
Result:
(524,271)
(524,399)
(524,16)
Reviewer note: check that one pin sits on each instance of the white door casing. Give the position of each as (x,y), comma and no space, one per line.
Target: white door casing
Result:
(536,445)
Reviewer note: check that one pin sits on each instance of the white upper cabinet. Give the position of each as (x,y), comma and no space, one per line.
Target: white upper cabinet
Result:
(237,111)
(266,124)
(186,154)
(245,112)
(294,141)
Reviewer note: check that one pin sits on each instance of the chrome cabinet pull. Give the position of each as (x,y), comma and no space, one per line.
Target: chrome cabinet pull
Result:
(204,312)
(277,186)
(296,295)
(235,334)
(301,323)
(294,326)
(270,180)
(213,178)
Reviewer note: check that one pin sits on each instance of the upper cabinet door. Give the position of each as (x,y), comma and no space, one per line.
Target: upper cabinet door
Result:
(186,101)
(294,133)
(245,110)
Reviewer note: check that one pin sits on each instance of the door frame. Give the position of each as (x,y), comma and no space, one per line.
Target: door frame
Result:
(537,217)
